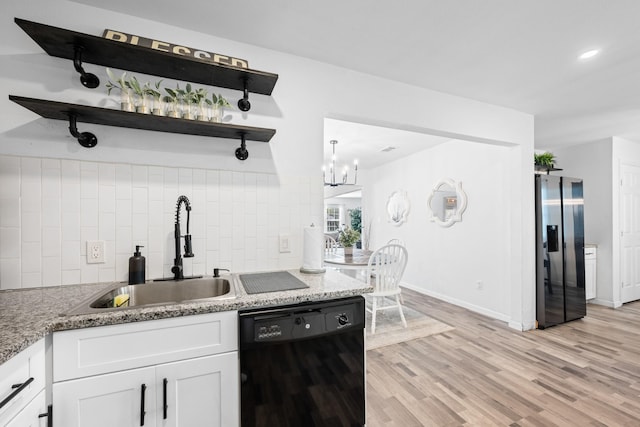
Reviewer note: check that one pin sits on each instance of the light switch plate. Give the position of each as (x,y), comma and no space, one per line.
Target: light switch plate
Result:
(285,243)
(95,252)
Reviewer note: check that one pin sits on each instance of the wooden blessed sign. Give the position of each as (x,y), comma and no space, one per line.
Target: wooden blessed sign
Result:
(175,49)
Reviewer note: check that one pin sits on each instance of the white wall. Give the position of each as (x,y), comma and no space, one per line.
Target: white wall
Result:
(594,164)
(306,93)
(449,262)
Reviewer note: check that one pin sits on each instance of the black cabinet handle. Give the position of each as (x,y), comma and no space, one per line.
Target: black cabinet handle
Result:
(164,398)
(49,415)
(143,389)
(18,388)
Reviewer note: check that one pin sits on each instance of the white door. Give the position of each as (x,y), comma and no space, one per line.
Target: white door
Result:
(630,232)
(106,400)
(199,392)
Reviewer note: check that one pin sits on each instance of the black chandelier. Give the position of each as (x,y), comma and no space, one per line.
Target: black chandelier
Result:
(332,170)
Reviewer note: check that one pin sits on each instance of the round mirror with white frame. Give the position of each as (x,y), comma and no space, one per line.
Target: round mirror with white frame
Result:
(447,202)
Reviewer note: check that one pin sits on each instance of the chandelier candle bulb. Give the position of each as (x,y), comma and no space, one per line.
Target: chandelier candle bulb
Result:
(332,170)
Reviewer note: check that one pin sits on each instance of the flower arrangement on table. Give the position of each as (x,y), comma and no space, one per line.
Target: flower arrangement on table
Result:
(348,237)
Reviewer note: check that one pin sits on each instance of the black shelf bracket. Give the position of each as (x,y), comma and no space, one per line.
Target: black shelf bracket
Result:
(88,80)
(244,104)
(86,139)
(241,152)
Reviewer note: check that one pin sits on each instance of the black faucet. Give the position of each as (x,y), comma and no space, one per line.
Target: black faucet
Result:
(188,251)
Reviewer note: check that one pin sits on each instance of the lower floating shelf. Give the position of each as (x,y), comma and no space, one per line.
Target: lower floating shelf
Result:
(110,117)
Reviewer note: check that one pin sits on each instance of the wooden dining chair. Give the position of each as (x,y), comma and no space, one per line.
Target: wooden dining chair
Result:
(384,272)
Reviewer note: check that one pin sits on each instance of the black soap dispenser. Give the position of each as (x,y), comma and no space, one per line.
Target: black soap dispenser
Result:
(137,267)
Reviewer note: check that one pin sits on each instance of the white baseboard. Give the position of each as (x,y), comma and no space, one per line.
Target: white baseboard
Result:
(604,302)
(463,304)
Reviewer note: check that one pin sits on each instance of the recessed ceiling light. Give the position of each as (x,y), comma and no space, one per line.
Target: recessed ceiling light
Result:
(387,149)
(589,54)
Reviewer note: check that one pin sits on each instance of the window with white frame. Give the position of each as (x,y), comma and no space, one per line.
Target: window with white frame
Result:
(332,219)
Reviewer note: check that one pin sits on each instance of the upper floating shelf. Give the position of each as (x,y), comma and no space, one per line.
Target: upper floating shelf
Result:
(109,53)
(110,117)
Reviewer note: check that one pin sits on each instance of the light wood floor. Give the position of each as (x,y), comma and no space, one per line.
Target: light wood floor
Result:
(581,373)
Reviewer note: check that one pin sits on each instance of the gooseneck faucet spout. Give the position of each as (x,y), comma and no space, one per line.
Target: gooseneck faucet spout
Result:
(177,269)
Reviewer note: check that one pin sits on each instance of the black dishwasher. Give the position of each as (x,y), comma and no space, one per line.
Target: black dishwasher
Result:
(303,365)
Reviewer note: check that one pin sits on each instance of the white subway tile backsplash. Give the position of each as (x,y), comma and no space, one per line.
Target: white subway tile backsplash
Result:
(88,182)
(71,277)
(31,258)
(10,274)
(51,212)
(140,201)
(70,259)
(51,242)
(106,225)
(106,275)
(89,273)
(31,227)
(51,183)
(51,271)
(31,280)
(10,243)
(89,212)
(50,208)
(70,229)
(123,182)
(9,213)
(107,174)
(124,244)
(56,163)
(139,176)
(124,212)
(107,198)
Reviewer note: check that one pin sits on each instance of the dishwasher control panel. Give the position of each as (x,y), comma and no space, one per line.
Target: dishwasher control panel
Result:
(300,322)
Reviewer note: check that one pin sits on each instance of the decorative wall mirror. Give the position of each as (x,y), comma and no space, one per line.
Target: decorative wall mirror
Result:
(398,207)
(447,202)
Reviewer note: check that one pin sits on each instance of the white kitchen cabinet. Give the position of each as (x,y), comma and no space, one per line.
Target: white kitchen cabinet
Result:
(590,270)
(22,378)
(106,400)
(188,366)
(201,391)
(33,415)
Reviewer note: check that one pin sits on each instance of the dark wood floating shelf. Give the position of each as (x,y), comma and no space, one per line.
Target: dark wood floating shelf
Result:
(110,117)
(545,169)
(63,43)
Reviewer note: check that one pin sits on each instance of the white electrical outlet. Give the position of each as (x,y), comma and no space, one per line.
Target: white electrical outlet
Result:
(479,284)
(285,243)
(95,252)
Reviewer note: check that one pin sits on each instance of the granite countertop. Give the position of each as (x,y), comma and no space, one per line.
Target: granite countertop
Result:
(27,315)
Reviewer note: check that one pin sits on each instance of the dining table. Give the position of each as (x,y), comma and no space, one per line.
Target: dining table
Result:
(337,259)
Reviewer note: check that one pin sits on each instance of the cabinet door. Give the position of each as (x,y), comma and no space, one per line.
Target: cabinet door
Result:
(106,400)
(590,277)
(29,416)
(199,392)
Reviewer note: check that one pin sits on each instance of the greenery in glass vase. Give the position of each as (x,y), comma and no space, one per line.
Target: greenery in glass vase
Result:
(119,83)
(219,100)
(348,237)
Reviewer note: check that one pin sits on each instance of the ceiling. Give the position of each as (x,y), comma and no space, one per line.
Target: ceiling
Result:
(517,54)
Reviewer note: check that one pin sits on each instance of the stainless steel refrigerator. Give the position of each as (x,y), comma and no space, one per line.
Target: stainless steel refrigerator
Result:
(560,291)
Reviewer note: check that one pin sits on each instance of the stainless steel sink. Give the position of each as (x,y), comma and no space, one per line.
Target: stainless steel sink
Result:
(121,296)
